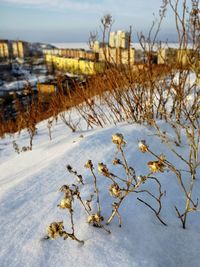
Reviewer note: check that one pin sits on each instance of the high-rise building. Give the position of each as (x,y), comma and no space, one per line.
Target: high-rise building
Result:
(4,49)
(119,39)
(112,39)
(124,40)
(20,49)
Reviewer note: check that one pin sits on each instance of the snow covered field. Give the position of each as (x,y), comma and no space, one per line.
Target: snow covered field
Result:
(29,195)
(31,79)
(72,45)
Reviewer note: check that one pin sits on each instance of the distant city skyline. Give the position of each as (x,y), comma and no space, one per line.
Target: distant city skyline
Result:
(71,21)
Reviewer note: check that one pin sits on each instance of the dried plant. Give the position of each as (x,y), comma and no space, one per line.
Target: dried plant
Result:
(119,189)
(122,187)
(49,126)
(57,228)
(16,147)
(162,164)
(68,121)
(94,217)
(74,172)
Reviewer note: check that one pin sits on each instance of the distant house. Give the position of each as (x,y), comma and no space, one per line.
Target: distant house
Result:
(46,88)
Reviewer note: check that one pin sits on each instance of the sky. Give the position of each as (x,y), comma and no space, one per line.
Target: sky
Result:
(72,20)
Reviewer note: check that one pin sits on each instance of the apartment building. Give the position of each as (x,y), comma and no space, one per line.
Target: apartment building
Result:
(73,53)
(117,55)
(119,39)
(20,49)
(4,49)
(74,65)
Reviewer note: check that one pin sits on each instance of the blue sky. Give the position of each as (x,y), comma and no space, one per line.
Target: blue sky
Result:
(72,20)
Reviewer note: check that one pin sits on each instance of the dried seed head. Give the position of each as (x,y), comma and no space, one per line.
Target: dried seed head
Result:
(156,166)
(115,190)
(54,229)
(143,146)
(116,161)
(95,219)
(102,168)
(90,218)
(66,190)
(89,165)
(142,178)
(98,218)
(65,235)
(69,168)
(65,203)
(80,178)
(118,139)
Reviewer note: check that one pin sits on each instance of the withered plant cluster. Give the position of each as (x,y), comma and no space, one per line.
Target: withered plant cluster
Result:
(119,189)
(121,186)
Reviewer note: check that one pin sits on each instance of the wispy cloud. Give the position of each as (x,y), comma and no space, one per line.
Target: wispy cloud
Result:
(116,7)
(74,5)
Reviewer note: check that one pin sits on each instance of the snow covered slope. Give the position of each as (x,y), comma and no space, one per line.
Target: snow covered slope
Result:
(29,195)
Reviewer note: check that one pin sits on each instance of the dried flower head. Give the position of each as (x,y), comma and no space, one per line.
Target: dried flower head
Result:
(115,190)
(80,179)
(156,166)
(118,139)
(66,190)
(90,218)
(89,165)
(55,229)
(95,219)
(142,178)
(102,168)
(69,168)
(143,146)
(65,203)
(116,161)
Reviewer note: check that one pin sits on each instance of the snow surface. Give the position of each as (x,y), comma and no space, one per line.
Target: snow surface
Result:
(79,45)
(86,46)
(30,78)
(29,195)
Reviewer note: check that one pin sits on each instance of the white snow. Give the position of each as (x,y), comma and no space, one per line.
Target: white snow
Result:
(83,45)
(29,195)
(30,79)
